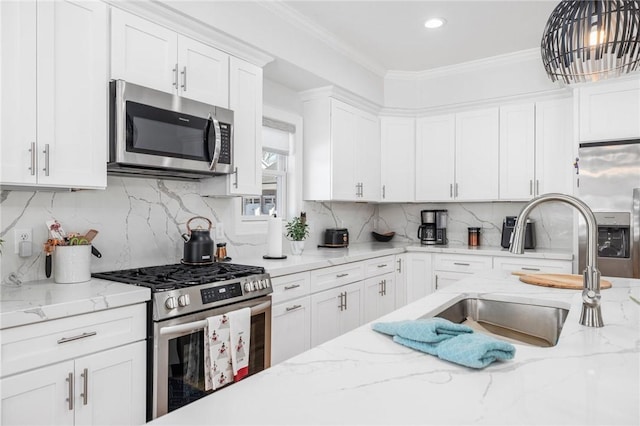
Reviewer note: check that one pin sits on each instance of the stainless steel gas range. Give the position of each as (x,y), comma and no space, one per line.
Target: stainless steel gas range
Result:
(183,296)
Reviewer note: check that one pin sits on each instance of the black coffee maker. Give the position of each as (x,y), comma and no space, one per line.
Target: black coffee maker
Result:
(433,230)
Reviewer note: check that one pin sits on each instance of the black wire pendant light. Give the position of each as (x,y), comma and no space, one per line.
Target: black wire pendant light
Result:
(591,40)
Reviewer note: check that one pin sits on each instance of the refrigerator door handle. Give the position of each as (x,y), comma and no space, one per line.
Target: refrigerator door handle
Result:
(635,232)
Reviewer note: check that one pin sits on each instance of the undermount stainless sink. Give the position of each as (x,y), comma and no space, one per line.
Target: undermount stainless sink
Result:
(520,322)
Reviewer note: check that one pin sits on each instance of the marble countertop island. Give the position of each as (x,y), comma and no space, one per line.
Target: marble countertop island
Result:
(591,377)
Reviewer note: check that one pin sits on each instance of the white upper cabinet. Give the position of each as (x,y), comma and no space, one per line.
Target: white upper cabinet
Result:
(54,94)
(609,110)
(477,154)
(554,147)
(342,152)
(435,158)
(154,56)
(457,156)
(517,151)
(397,138)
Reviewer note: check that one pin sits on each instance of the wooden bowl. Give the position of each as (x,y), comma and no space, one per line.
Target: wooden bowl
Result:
(383,238)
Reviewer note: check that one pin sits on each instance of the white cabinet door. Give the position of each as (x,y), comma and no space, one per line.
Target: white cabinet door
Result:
(444,279)
(554,147)
(111,387)
(477,155)
(18,150)
(609,111)
(39,397)
(336,311)
(204,72)
(290,329)
(398,177)
(419,271)
(435,158)
(379,296)
(367,158)
(344,134)
(70,88)
(401,280)
(517,151)
(142,52)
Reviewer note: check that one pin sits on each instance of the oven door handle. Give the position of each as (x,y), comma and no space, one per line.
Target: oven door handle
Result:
(199,325)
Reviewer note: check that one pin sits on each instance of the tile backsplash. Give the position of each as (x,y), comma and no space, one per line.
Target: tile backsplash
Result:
(140,222)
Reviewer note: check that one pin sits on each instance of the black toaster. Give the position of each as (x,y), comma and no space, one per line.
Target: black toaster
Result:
(336,237)
(509,224)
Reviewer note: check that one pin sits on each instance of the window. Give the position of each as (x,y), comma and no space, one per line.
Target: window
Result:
(275,156)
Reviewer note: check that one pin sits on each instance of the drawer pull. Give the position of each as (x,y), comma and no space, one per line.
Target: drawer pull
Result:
(461,264)
(78,337)
(384,265)
(291,287)
(530,269)
(341,275)
(293,308)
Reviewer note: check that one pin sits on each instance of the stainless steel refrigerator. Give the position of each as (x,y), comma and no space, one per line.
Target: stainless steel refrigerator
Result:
(609,182)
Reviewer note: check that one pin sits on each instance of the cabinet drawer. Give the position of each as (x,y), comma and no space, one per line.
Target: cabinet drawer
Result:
(334,276)
(532,266)
(462,263)
(289,287)
(379,266)
(35,345)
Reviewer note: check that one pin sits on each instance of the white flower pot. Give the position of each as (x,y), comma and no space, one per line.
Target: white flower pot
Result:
(297,247)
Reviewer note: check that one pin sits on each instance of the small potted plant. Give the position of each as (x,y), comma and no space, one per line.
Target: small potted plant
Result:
(297,232)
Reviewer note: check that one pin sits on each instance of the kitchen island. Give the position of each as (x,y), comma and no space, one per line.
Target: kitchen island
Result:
(590,377)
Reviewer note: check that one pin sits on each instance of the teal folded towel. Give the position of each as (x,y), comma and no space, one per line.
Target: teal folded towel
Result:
(430,348)
(475,350)
(428,330)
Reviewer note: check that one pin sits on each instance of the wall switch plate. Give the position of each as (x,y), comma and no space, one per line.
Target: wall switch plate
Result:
(219,231)
(23,239)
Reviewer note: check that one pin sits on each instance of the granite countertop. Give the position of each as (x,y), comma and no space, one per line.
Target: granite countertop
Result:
(363,377)
(314,258)
(45,300)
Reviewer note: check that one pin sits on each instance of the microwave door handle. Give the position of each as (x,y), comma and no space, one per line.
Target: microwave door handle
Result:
(217,141)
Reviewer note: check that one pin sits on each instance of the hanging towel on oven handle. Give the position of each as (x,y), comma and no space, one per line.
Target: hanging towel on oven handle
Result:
(240,336)
(217,352)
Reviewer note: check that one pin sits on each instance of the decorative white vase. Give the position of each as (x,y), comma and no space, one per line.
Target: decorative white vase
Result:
(297,247)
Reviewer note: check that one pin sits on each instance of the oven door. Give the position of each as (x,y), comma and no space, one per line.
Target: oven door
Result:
(178,365)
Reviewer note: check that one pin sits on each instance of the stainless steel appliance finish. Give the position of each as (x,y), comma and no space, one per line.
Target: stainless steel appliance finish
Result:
(183,296)
(433,230)
(158,134)
(609,183)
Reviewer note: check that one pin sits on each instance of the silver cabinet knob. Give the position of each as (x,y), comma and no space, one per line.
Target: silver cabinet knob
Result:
(171,303)
(183,300)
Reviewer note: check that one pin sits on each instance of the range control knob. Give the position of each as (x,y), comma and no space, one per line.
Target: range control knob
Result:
(247,286)
(183,300)
(170,303)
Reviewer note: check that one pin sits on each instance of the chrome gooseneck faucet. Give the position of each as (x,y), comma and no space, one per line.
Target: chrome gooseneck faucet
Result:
(591,314)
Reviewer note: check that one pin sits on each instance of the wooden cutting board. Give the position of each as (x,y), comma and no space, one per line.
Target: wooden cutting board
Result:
(569,281)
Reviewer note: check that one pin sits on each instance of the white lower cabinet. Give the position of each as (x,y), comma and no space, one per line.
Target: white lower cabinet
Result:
(379,296)
(336,311)
(419,279)
(401,280)
(449,268)
(82,370)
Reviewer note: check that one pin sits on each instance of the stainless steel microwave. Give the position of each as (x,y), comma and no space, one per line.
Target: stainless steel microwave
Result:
(157,134)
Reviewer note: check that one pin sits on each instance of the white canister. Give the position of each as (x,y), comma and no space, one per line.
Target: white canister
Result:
(72,264)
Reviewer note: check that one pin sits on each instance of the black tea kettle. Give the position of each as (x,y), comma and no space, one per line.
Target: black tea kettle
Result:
(198,246)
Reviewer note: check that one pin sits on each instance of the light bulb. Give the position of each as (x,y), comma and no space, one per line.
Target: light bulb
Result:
(434,23)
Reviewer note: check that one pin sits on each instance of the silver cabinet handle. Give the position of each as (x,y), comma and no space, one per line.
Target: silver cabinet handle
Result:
(524,268)
(456,191)
(46,159)
(530,186)
(293,308)
(341,275)
(384,191)
(381,285)
(291,287)
(383,265)
(33,158)
(345,300)
(78,337)
(436,281)
(85,386)
(450,190)
(461,264)
(341,305)
(175,76)
(537,187)
(70,399)
(184,78)
(235,174)
(399,266)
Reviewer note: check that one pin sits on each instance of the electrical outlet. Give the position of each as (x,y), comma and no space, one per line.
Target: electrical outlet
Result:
(219,231)
(22,236)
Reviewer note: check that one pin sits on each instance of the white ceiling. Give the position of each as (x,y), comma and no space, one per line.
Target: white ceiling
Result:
(390,35)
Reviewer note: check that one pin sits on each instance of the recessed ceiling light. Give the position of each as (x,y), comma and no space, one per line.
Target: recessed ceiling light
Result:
(434,23)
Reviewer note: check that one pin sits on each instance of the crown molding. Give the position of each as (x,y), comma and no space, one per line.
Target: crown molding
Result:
(340,94)
(300,21)
(484,63)
(174,19)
